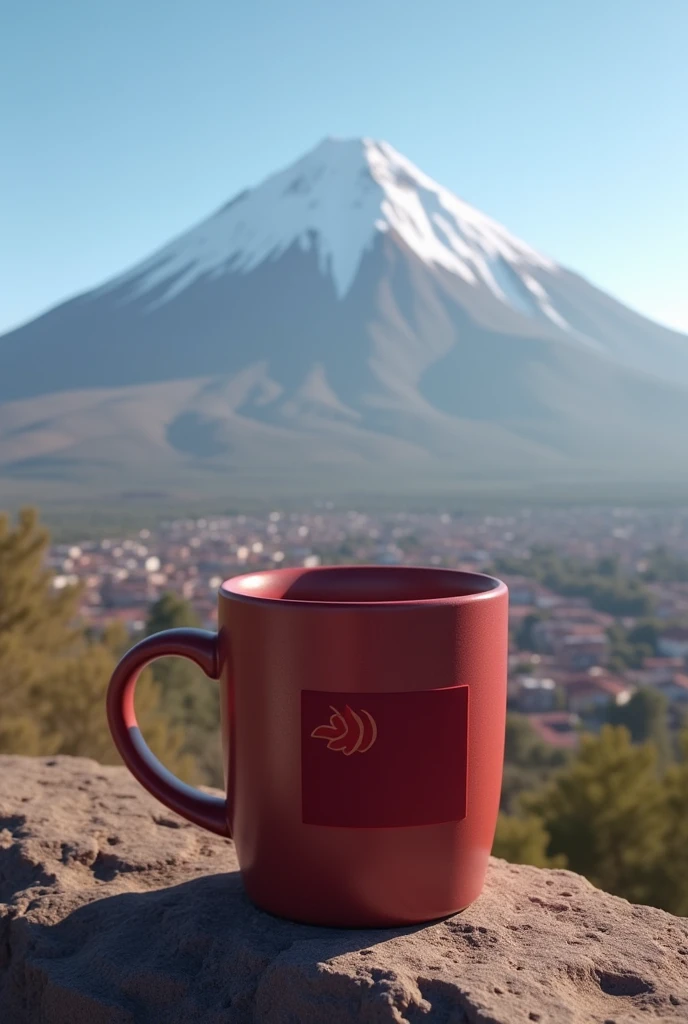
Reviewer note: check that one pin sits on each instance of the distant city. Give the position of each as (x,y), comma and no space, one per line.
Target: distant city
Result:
(564,669)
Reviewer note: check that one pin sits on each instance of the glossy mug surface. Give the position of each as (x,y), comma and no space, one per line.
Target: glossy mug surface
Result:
(363,713)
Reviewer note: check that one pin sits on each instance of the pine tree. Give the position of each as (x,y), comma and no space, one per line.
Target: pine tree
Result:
(31,609)
(528,761)
(673,868)
(607,812)
(20,730)
(116,638)
(53,681)
(524,841)
(645,716)
(170,611)
(191,700)
(35,619)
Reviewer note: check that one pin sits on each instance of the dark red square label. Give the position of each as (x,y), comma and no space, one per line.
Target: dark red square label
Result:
(384,760)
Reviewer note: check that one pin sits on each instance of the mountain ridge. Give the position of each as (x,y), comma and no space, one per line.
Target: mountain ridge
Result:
(452,350)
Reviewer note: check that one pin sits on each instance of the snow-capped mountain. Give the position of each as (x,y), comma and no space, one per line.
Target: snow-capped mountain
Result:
(335,201)
(352,314)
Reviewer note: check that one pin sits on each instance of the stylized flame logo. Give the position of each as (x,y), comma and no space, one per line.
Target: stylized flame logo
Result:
(350,733)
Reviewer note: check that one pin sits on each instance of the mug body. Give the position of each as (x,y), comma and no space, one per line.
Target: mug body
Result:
(363,716)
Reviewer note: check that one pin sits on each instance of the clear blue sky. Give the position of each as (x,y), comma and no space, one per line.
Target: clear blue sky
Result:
(124,123)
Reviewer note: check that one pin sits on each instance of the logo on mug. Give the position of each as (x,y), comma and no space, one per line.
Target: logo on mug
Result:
(349,733)
(415,768)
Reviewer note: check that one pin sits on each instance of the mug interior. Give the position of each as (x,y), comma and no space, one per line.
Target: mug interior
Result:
(356,584)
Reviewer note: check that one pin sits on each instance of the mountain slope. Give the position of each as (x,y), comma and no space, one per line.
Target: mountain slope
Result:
(347,320)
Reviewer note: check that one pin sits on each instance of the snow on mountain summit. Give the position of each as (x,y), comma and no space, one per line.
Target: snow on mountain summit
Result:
(335,200)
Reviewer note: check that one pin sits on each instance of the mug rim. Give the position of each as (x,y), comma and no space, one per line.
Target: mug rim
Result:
(233,587)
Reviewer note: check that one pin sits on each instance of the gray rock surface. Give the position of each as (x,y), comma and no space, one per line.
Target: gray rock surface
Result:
(115,911)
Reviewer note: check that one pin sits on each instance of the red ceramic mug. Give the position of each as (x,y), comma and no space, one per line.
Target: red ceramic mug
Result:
(363,713)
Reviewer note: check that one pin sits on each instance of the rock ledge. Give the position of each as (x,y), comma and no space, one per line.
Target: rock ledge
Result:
(115,911)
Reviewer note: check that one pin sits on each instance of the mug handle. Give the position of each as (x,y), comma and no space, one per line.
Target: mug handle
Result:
(201,647)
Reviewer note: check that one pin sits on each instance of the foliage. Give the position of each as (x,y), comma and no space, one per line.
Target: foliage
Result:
(665,567)
(630,647)
(614,818)
(191,700)
(34,621)
(646,634)
(645,717)
(605,812)
(528,761)
(623,652)
(673,868)
(522,745)
(30,609)
(524,841)
(53,679)
(170,611)
(525,640)
(20,670)
(601,582)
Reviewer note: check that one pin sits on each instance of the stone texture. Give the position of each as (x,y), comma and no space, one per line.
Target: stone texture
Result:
(115,911)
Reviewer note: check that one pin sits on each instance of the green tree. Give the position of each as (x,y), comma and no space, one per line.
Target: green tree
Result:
(528,761)
(35,620)
(20,667)
(608,565)
(664,566)
(53,680)
(524,841)
(116,638)
(629,648)
(72,703)
(645,717)
(600,582)
(622,653)
(525,640)
(31,609)
(519,739)
(191,700)
(170,611)
(673,867)
(606,812)
(523,746)
(645,634)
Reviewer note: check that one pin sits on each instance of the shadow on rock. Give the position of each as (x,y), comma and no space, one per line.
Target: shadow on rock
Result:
(196,951)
